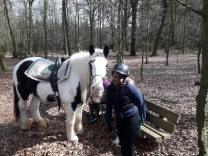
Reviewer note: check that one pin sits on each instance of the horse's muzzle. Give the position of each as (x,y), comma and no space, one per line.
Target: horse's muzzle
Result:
(97,92)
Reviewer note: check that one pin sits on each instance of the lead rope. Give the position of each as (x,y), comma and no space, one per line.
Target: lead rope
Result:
(139,127)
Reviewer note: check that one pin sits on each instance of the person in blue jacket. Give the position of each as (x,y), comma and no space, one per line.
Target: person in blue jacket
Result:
(128,104)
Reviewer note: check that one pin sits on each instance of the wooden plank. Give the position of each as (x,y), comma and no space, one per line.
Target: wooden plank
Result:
(162,134)
(165,125)
(172,116)
(150,134)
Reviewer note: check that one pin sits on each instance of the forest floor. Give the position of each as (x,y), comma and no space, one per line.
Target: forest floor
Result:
(162,85)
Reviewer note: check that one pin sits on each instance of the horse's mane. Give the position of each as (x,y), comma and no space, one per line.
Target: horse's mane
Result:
(79,63)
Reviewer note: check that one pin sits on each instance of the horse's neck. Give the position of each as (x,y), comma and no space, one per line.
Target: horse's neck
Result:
(81,68)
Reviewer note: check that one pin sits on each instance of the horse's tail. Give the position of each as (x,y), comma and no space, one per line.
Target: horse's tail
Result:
(16,100)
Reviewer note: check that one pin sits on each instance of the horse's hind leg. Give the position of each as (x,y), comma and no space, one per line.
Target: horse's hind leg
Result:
(70,120)
(23,120)
(78,120)
(34,107)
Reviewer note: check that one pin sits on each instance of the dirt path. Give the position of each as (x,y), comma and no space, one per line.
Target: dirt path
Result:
(161,84)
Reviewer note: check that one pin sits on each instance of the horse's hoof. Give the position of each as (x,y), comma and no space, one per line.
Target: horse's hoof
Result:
(72,138)
(75,142)
(26,126)
(42,123)
(80,132)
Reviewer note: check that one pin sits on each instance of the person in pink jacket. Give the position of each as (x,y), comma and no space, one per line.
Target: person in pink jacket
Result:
(94,106)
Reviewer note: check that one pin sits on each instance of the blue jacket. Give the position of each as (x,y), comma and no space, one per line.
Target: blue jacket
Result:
(135,96)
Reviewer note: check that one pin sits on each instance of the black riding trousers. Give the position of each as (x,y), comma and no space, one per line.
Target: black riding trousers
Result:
(127,128)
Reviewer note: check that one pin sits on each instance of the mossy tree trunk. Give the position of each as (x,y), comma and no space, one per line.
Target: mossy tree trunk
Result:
(10,30)
(202,98)
(3,65)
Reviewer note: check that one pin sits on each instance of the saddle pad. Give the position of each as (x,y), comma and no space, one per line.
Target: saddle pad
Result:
(40,70)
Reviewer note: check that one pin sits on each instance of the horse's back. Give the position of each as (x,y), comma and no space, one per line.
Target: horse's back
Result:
(23,84)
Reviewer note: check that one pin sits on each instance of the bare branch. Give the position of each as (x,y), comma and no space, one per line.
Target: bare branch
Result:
(190,8)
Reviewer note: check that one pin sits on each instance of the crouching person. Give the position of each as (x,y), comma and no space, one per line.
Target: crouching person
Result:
(94,105)
(128,104)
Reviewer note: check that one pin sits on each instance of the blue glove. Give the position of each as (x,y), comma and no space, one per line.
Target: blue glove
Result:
(110,127)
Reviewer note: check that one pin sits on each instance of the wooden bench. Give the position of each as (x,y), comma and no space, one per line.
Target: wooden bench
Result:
(161,123)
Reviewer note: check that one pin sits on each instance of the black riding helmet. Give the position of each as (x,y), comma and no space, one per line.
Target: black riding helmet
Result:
(121,68)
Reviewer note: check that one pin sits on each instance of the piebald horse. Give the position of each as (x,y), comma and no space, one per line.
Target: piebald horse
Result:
(87,72)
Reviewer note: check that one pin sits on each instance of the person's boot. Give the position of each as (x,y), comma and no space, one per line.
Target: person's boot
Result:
(115,142)
(97,110)
(92,118)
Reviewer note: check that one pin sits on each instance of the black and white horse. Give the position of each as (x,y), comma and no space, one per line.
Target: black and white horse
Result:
(87,69)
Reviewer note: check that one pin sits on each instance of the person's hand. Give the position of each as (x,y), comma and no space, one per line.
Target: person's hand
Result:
(110,127)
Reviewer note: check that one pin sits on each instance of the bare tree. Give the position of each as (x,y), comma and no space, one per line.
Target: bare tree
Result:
(147,31)
(65,28)
(77,48)
(11,30)
(201,98)
(30,27)
(45,28)
(141,43)
(134,4)
(120,32)
(93,5)
(159,32)
(170,32)
(184,31)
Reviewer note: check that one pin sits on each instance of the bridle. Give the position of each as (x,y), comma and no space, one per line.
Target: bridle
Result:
(93,76)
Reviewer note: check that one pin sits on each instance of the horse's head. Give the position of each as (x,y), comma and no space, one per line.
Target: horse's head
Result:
(98,64)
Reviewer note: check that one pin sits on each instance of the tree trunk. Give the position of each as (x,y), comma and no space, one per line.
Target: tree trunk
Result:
(30,27)
(202,98)
(112,28)
(120,39)
(45,28)
(77,29)
(141,44)
(147,38)
(11,31)
(65,28)
(170,33)
(100,24)
(184,32)
(133,27)
(198,59)
(3,65)
(124,25)
(157,40)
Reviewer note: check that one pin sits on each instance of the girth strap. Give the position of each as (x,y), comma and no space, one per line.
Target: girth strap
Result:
(54,79)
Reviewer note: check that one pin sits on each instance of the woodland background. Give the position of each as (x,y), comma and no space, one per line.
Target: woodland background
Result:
(138,30)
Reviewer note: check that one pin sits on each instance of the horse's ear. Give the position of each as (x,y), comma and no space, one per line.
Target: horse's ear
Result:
(91,49)
(106,51)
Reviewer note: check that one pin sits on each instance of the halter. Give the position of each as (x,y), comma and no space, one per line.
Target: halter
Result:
(93,76)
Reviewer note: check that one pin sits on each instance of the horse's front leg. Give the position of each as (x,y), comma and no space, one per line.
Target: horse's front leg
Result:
(70,120)
(78,120)
(34,107)
(24,120)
